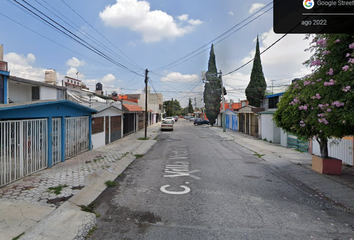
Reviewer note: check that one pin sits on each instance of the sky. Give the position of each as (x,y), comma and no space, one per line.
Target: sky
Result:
(114,41)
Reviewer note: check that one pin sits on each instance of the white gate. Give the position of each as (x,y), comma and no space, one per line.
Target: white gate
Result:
(56,140)
(23,148)
(76,136)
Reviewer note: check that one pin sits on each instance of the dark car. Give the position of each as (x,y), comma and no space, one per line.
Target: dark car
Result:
(199,121)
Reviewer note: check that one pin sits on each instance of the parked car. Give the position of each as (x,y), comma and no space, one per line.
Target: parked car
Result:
(199,121)
(175,118)
(170,118)
(167,125)
(191,119)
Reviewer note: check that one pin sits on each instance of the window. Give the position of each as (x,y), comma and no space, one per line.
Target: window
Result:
(2,88)
(35,93)
(273,102)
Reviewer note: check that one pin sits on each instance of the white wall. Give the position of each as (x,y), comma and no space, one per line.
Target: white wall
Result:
(283,138)
(266,127)
(20,92)
(98,140)
(338,148)
(46,93)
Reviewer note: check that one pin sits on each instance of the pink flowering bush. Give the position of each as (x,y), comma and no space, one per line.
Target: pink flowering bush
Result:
(321,105)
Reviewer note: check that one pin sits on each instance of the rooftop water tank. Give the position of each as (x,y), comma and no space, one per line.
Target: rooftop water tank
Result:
(99,86)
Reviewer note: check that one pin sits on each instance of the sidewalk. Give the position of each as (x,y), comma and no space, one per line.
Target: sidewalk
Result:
(27,206)
(297,165)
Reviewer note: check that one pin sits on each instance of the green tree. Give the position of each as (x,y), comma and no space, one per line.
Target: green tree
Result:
(320,105)
(212,90)
(190,106)
(173,107)
(256,88)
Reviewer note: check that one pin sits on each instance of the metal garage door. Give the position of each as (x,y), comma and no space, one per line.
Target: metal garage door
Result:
(128,123)
(56,140)
(76,136)
(116,128)
(23,146)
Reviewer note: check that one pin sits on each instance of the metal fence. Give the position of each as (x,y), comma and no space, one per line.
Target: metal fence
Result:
(56,140)
(337,148)
(23,148)
(76,136)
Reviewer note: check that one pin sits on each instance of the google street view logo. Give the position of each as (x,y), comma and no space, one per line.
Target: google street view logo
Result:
(308,4)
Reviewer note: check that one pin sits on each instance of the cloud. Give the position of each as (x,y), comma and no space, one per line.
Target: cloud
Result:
(285,58)
(281,63)
(255,7)
(195,22)
(109,82)
(178,77)
(108,78)
(74,62)
(183,17)
(22,66)
(153,25)
(72,72)
(231,13)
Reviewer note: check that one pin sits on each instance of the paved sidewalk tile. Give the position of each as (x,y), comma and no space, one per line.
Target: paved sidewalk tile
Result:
(70,176)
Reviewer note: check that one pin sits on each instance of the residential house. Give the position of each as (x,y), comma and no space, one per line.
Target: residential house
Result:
(25,90)
(38,134)
(249,120)
(231,120)
(155,104)
(107,125)
(268,129)
(232,106)
(134,118)
(38,128)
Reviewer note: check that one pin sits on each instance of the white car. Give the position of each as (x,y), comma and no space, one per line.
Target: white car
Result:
(167,125)
(170,119)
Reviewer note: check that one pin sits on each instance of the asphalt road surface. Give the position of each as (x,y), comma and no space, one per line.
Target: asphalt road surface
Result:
(194,185)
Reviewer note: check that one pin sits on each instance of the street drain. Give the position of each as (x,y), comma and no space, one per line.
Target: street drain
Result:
(250,162)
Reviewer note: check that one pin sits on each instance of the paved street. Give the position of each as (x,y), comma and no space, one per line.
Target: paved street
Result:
(195,185)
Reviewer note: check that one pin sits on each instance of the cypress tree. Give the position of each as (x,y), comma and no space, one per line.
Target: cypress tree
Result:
(190,107)
(256,88)
(212,90)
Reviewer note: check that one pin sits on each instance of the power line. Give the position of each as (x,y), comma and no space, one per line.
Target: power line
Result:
(77,28)
(175,63)
(73,36)
(101,34)
(260,54)
(50,39)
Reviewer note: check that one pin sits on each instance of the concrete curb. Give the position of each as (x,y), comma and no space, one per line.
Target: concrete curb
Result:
(68,221)
(298,167)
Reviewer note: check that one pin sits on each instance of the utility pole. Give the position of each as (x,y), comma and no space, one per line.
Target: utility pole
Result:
(172,108)
(146,103)
(223,103)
